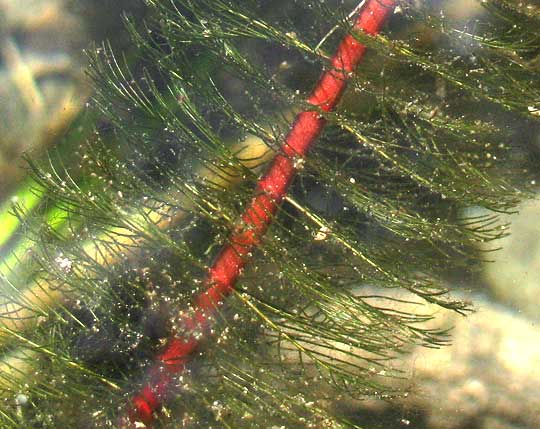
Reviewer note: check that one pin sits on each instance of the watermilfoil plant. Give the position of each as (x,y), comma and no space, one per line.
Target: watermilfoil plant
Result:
(196,282)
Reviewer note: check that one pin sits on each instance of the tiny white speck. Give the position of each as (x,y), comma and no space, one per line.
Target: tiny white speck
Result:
(21,399)
(64,264)
(299,163)
(322,234)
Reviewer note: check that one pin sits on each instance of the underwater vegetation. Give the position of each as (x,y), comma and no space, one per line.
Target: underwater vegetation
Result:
(258,181)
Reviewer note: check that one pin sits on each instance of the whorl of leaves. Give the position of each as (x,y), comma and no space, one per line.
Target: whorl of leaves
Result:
(432,126)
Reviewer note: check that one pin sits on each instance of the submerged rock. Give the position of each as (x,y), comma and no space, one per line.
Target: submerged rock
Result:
(489,377)
(514,276)
(40,78)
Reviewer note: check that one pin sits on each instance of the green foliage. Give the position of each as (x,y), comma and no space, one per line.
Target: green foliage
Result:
(432,124)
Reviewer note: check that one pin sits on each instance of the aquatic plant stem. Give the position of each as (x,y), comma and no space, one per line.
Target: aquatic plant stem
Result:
(257,217)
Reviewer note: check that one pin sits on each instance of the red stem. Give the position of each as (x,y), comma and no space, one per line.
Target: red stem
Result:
(270,191)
